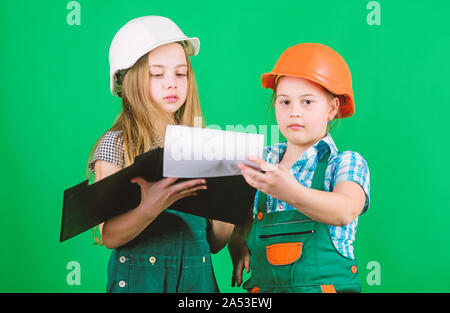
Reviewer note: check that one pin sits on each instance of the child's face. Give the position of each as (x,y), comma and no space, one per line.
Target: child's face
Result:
(303,110)
(168,76)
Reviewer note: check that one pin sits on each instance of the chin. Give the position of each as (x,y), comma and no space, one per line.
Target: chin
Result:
(298,140)
(172,107)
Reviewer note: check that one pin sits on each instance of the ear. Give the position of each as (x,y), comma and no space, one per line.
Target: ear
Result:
(334,108)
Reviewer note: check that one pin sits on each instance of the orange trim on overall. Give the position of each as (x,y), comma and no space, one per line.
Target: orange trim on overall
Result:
(284,253)
(254,290)
(328,289)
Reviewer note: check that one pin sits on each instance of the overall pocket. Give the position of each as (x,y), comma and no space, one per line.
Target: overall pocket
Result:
(284,244)
(284,232)
(153,273)
(284,253)
(197,275)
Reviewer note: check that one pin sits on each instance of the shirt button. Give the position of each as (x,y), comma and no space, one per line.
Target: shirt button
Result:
(259,216)
(122,283)
(152,260)
(204,259)
(122,259)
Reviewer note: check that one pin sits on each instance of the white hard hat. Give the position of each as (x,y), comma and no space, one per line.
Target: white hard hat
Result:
(139,36)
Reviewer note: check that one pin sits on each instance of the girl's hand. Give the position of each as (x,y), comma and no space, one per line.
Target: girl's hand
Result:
(237,247)
(277,181)
(158,196)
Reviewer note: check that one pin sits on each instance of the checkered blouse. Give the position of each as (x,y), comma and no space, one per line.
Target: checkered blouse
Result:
(110,148)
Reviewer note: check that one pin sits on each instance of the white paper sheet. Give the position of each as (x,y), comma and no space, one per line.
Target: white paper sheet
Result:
(191,152)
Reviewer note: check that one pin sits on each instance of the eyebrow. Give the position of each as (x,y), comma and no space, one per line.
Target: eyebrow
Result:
(304,95)
(162,66)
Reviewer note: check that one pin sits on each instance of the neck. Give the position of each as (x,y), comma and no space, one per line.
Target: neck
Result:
(294,152)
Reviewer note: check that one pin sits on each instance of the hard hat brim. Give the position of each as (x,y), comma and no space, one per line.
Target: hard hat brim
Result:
(346,109)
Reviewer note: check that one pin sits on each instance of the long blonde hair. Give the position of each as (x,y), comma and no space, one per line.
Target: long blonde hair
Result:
(142,122)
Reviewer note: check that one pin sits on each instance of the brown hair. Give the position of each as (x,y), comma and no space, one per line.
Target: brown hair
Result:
(142,121)
(337,118)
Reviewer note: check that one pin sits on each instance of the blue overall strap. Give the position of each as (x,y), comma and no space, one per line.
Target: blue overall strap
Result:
(317,183)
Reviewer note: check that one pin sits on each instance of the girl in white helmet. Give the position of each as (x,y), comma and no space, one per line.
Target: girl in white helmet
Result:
(154,249)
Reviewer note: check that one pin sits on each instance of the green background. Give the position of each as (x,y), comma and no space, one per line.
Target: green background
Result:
(55,102)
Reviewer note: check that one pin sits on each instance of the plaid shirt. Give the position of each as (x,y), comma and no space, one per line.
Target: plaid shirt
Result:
(110,148)
(343,166)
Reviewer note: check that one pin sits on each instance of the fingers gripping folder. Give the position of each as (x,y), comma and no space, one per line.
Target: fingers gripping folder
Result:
(227,198)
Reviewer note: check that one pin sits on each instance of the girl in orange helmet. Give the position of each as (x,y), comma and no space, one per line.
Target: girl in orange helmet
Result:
(309,194)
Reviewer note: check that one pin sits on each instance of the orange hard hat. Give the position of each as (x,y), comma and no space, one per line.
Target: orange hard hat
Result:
(318,63)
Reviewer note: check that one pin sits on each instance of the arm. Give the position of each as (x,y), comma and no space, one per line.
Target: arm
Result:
(104,169)
(125,227)
(218,234)
(155,198)
(237,247)
(338,207)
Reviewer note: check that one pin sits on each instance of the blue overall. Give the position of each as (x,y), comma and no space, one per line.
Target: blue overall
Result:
(170,255)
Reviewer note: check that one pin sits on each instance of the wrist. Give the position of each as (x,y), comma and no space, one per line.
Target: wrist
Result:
(297,195)
(147,213)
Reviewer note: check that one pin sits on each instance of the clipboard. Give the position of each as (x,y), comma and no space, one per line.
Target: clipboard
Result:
(228,198)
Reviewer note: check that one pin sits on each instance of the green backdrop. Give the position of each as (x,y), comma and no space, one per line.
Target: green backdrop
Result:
(55,102)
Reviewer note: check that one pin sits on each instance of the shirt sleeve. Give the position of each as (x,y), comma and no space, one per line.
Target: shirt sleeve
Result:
(351,166)
(110,149)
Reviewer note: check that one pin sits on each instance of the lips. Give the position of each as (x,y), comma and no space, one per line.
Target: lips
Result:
(295,126)
(171,98)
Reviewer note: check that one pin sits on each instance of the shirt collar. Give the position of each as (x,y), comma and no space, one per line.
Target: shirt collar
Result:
(275,152)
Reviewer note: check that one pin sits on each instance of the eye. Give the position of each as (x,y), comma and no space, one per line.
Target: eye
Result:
(307,101)
(284,101)
(157,75)
(181,74)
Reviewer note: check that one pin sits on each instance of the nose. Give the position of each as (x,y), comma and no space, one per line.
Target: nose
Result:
(296,111)
(170,82)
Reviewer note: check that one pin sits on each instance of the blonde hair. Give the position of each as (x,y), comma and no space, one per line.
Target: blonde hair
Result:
(142,121)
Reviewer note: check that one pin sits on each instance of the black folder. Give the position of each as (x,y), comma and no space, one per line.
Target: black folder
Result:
(228,198)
